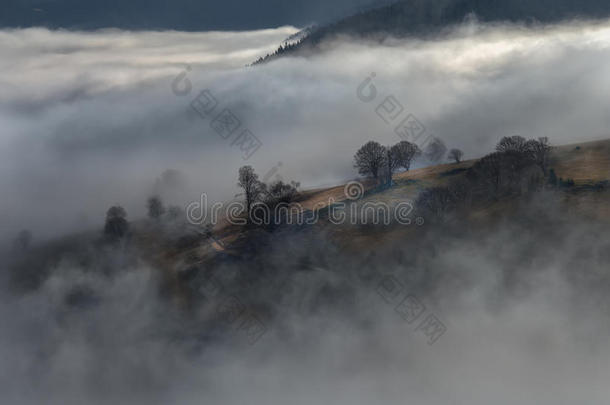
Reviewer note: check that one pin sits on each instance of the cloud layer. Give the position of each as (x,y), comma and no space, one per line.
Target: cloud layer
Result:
(90,119)
(526,317)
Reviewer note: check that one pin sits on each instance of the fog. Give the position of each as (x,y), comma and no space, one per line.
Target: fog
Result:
(90,119)
(93,119)
(526,318)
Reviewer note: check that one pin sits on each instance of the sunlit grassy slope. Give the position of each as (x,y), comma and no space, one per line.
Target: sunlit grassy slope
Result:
(587,164)
(178,247)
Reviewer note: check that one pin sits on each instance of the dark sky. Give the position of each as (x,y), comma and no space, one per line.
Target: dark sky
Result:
(195,15)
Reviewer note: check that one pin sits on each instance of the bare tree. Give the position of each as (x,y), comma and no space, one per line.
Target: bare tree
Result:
(540,150)
(392,163)
(155,207)
(253,188)
(370,159)
(280,192)
(516,167)
(405,152)
(455,155)
(116,225)
(503,173)
(435,150)
(513,143)
(487,174)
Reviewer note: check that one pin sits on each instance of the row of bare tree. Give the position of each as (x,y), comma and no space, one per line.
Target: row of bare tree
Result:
(516,162)
(381,162)
(117,226)
(518,166)
(255,191)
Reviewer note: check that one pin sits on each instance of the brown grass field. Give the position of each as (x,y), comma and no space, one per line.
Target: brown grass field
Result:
(585,163)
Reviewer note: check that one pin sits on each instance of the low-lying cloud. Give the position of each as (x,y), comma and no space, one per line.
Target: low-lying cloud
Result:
(90,119)
(523,312)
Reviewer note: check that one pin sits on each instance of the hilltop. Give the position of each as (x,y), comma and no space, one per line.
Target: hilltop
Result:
(583,169)
(181,250)
(422,18)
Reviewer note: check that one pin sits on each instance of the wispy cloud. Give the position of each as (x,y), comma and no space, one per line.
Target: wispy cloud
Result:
(89,119)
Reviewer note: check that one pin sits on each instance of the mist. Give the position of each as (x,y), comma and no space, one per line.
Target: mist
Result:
(526,317)
(91,119)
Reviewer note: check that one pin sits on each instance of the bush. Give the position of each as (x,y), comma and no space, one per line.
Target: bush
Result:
(116,226)
(155,208)
(280,192)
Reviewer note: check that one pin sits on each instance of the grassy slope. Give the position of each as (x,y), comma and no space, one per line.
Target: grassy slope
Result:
(586,163)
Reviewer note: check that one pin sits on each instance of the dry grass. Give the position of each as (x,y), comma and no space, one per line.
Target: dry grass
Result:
(585,163)
(433,173)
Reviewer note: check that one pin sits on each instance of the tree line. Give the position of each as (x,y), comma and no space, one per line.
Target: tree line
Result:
(517,167)
(381,162)
(116,225)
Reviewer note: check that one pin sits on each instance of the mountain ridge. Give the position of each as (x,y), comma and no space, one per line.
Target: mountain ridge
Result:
(420,18)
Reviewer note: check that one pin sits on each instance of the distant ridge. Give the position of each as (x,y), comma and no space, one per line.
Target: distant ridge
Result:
(428,17)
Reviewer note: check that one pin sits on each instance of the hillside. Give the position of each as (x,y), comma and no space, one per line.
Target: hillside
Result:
(585,163)
(176,247)
(423,18)
(588,164)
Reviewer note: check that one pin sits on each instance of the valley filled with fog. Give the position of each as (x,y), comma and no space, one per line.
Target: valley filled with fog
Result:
(90,120)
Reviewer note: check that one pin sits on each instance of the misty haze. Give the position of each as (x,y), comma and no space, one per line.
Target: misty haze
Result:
(350,203)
